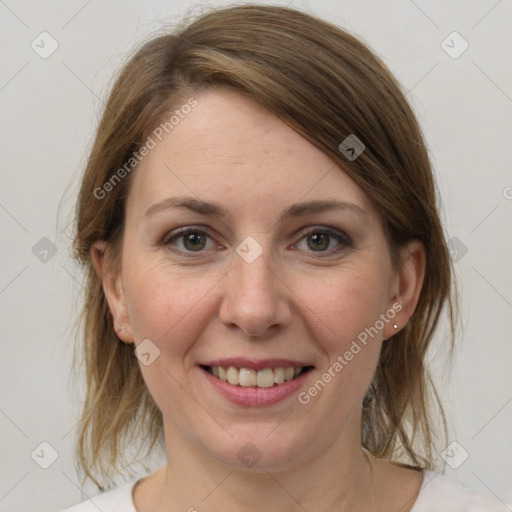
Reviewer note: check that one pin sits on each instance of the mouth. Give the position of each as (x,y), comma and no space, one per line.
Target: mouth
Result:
(256,378)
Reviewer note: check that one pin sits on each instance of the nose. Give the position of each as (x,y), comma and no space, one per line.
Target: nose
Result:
(255,297)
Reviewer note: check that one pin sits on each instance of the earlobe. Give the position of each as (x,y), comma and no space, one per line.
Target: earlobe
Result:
(409,283)
(112,288)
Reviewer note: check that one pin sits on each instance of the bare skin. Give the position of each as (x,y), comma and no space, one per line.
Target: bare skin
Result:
(396,489)
(296,300)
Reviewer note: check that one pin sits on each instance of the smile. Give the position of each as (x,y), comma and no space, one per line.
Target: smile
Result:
(262,378)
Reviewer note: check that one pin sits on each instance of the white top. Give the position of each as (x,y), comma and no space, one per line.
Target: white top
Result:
(437,494)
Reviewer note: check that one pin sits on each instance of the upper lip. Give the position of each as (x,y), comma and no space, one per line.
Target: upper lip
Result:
(241,362)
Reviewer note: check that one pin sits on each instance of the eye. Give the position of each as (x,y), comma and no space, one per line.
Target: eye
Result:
(320,239)
(193,240)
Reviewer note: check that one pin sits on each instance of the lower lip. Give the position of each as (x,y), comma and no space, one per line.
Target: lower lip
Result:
(256,397)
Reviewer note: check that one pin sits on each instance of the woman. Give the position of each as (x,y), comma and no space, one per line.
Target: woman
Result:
(266,270)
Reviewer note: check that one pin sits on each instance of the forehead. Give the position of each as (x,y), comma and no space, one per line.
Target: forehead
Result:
(230,149)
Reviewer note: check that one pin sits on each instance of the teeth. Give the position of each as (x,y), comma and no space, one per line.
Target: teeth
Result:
(279,375)
(232,375)
(265,378)
(247,377)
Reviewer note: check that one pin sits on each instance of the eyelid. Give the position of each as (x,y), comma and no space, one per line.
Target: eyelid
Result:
(180,232)
(337,233)
(183,231)
(343,239)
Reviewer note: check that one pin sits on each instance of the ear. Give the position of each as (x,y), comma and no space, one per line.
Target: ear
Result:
(112,287)
(406,288)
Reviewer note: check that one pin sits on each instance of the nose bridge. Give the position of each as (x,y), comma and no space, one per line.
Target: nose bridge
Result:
(254,299)
(253,270)
(253,274)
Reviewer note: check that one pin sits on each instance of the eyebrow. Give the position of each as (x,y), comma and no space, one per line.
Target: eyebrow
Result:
(295,210)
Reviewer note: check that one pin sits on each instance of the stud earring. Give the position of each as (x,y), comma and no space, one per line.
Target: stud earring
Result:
(120,328)
(395,326)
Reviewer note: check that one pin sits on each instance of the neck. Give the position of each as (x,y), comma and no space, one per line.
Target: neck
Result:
(340,478)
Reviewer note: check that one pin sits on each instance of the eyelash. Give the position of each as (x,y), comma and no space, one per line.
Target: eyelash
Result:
(343,240)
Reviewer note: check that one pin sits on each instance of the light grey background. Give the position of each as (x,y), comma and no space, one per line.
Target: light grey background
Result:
(49,110)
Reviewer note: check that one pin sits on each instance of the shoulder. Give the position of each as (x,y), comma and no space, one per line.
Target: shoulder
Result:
(116,500)
(439,493)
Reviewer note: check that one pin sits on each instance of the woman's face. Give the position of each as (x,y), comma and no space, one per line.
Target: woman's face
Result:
(266,276)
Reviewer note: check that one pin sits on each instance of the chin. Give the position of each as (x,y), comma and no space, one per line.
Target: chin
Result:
(259,449)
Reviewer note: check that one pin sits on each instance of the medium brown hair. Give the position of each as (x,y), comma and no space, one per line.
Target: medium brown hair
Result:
(327,85)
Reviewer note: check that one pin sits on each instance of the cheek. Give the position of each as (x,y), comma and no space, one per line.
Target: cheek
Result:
(344,313)
(342,306)
(166,305)
(172,309)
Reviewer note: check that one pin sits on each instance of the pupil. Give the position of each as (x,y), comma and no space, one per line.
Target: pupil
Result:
(195,239)
(320,238)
